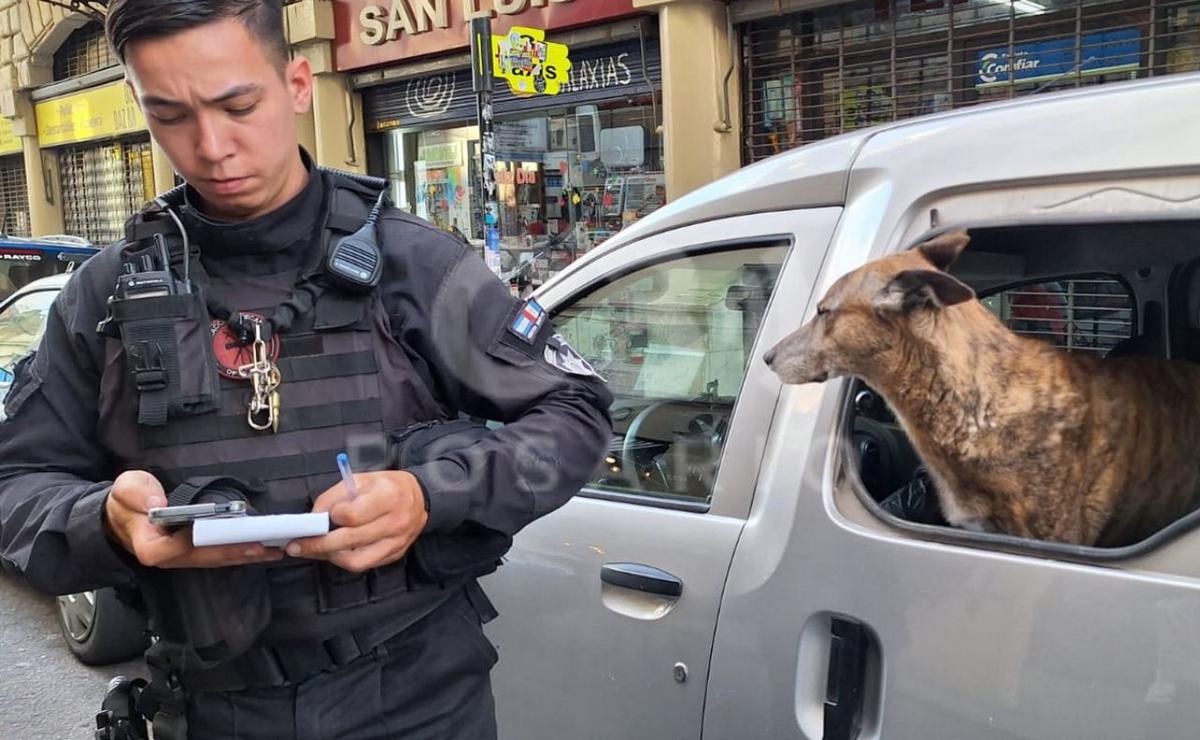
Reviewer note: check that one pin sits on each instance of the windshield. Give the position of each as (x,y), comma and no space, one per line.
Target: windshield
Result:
(20,266)
(21,325)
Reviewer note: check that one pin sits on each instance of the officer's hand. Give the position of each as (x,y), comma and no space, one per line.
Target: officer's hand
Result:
(375,528)
(133,494)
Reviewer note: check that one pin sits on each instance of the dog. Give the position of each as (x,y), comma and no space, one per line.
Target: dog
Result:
(1020,437)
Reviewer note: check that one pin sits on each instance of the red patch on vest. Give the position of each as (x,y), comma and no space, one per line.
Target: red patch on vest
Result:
(230,355)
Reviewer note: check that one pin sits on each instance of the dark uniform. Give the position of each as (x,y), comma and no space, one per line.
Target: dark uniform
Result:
(398,651)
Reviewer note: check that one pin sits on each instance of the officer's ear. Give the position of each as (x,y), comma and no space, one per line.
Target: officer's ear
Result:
(299,78)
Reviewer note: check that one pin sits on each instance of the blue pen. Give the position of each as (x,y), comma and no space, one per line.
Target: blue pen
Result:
(343,463)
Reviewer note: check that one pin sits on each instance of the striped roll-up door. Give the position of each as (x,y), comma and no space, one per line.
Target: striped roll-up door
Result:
(815,74)
(14,197)
(103,185)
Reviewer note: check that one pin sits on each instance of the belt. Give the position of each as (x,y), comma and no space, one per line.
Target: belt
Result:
(268,665)
(264,666)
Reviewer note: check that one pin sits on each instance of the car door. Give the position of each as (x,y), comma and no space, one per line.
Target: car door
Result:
(608,606)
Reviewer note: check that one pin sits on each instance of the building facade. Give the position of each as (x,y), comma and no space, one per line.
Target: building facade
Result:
(818,72)
(663,96)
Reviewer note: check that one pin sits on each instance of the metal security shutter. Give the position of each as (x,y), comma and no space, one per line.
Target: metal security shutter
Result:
(102,185)
(610,72)
(811,75)
(85,50)
(14,198)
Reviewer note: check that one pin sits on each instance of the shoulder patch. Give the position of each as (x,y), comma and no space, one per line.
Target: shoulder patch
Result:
(528,321)
(562,355)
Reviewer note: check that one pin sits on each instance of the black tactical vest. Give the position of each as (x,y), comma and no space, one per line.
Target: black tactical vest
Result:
(346,384)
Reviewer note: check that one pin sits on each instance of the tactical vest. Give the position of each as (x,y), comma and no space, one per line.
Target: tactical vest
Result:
(347,383)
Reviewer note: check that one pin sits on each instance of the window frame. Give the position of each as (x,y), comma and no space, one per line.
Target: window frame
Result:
(845,471)
(784,240)
(20,295)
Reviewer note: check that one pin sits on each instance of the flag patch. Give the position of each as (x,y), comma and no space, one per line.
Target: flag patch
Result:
(528,320)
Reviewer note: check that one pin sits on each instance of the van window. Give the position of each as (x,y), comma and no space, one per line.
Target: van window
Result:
(673,340)
(1105,290)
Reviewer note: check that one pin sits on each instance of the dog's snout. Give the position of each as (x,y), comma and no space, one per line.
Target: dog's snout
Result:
(769,357)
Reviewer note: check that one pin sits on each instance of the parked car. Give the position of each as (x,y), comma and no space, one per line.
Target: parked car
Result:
(24,260)
(761,561)
(22,321)
(98,628)
(24,296)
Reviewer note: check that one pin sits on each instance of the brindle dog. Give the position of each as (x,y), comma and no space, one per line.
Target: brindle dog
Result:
(1020,437)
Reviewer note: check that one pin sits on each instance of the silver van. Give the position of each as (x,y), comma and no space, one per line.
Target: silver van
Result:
(762,561)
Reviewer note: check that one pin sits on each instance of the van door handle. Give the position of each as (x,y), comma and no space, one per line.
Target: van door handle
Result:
(845,682)
(643,578)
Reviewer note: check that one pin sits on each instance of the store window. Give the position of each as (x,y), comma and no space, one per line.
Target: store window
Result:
(567,179)
(85,50)
(14,197)
(445,180)
(102,184)
(1183,38)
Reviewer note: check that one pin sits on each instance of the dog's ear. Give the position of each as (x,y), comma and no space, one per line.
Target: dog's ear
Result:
(915,289)
(944,249)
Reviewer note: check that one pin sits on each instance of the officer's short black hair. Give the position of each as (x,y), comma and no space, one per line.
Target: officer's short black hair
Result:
(135,20)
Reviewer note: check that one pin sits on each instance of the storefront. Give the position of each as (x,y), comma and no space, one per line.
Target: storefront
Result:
(810,75)
(14,198)
(571,169)
(104,161)
(96,138)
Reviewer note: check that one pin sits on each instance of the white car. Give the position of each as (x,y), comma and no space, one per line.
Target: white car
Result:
(99,628)
(22,321)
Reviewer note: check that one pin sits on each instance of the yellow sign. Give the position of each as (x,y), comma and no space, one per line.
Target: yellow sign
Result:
(532,65)
(99,113)
(9,143)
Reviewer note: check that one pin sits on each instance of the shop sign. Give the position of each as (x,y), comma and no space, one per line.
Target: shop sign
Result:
(99,113)
(530,64)
(1099,53)
(528,135)
(599,74)
(441,155)
(9,142)
(596,74)
(376,32)
(517,176)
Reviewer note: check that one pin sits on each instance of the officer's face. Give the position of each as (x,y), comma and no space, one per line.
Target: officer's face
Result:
(224,109)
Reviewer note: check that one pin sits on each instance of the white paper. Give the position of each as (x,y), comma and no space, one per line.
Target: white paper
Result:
(272,530)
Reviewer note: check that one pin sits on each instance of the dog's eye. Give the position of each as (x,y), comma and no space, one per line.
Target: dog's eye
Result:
(822,311)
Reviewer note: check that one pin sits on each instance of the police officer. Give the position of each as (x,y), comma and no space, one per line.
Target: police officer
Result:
(251,325)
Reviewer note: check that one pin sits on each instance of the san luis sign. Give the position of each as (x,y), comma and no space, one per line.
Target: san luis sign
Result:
(377,32)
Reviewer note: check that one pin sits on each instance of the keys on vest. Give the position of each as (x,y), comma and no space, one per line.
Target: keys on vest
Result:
(265,378)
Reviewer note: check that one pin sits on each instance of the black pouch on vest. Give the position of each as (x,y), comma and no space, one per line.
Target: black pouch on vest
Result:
(168,348)
(217,613)
(164,327)
(472,550)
